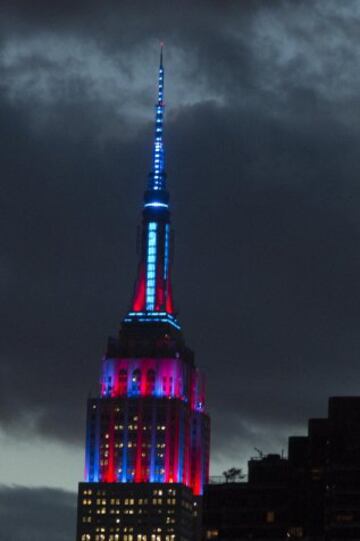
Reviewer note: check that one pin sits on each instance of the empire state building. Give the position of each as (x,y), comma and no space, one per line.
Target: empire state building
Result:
(147,438)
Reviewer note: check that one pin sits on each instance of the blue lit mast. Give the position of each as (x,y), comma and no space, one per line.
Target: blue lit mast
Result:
(153,295)
(157,177)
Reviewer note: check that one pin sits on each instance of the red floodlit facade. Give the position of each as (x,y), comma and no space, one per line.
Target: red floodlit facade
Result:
(148,425)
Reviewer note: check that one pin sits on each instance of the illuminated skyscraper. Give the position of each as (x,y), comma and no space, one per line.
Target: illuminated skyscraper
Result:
(147,447)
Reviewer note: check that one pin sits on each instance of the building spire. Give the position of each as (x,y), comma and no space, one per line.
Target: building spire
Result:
(157,177)
(153,301)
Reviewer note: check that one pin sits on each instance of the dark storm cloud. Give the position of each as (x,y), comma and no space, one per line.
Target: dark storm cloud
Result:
(36,514)
(282,300)
(56,242)
(263,171)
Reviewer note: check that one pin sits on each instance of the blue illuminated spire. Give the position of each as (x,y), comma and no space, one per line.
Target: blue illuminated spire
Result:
(153,292)
(157,176)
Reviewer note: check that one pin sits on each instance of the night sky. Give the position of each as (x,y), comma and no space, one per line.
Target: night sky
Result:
(262,138)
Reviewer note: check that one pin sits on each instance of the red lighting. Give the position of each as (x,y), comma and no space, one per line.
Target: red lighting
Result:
(139,298)
(169,299)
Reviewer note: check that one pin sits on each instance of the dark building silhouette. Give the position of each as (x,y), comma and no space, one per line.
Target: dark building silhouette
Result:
(313,494)
(147,447)
(257,509)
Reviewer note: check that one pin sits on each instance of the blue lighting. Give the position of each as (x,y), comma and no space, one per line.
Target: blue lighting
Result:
(151,266)
(166,251)
(157,178)
(152,317)
(180,471)
(156,204)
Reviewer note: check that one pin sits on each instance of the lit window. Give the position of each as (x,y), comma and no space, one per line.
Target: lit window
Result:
(210,534)
(270,517)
